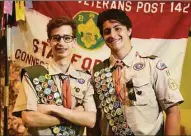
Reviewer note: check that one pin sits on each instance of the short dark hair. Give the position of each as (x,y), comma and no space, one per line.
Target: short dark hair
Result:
(113,14)
(58,22)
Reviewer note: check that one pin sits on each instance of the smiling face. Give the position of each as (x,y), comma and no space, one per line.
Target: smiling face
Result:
(116,36)
(62,47)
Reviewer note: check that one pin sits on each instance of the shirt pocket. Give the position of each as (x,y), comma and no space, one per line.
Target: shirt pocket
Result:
(78,95)
(141,87)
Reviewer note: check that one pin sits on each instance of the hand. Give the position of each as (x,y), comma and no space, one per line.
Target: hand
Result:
(45,108)
(18,126)
(79,108)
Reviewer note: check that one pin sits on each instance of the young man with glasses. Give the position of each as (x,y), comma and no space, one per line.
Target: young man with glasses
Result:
(132,90)
(56,99)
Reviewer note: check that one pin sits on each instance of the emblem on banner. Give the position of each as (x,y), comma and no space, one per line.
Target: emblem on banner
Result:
(88,35)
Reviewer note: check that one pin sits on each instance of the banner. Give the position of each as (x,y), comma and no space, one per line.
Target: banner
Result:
(159,28)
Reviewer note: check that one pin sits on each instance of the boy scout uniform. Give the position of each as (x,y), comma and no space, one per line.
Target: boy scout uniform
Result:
(150,91)
(46,89)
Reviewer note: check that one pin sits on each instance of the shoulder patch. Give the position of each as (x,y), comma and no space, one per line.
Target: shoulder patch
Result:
(160,65)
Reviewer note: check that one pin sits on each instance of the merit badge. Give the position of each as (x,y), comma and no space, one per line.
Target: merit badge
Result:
(104,87)
(160,65)
(172,84)
(116,120)
(81,81)
(108,116)
(56,95)
(111,122)
(51,82)
(53,88)
(43,100)
(110,85)
(96,74)
(71,132)
(101,71)
(106,109)
(108,99)
(47,91)
(101,96)
(119,111)
(111,90)
(113,98)
(116,104)
(62,128)
(111,106)
(107,69)
(38,88)
(103,103)
(36,81)
(106,94)
(40,93)
(41,78)
(97,79)
(56,130)
(103,76)
(138,66)
(97,85)
(99,91)
(108,74)
(103,82)
(50,97)
(114,128)
(109,79)
(58,102)
(47,76)
(44,84)
(65,133)
(113,113)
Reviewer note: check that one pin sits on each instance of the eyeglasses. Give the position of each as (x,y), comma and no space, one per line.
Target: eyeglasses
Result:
(66,38)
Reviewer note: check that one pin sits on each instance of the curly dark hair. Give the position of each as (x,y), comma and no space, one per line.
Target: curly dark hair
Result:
(58,22)
(113,14)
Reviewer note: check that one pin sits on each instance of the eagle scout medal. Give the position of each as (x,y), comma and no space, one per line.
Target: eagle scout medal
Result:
(81,81)
(138,66)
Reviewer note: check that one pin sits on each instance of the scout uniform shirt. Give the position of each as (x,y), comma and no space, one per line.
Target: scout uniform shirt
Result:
(153,91)
(81,91)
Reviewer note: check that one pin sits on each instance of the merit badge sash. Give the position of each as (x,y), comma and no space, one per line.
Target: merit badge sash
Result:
(47,93)
(103,82)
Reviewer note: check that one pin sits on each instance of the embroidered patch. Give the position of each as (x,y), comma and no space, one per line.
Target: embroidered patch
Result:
(160,65)
(172,84)
(81,81)
(138,66)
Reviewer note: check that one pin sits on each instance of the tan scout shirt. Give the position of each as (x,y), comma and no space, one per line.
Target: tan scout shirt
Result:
(153,87)
(27,98)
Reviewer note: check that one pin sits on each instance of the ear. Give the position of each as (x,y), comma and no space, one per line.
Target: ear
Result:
(74,43)
(129,31)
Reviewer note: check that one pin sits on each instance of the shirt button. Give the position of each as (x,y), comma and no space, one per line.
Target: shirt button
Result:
(139,92)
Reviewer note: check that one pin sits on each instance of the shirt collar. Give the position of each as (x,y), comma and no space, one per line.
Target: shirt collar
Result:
(55,69)
(128,60)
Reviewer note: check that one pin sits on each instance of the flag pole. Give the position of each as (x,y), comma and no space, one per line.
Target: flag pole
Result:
(6,89)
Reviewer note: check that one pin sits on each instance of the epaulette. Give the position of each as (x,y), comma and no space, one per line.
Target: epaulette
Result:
(150,57)
(84,71)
